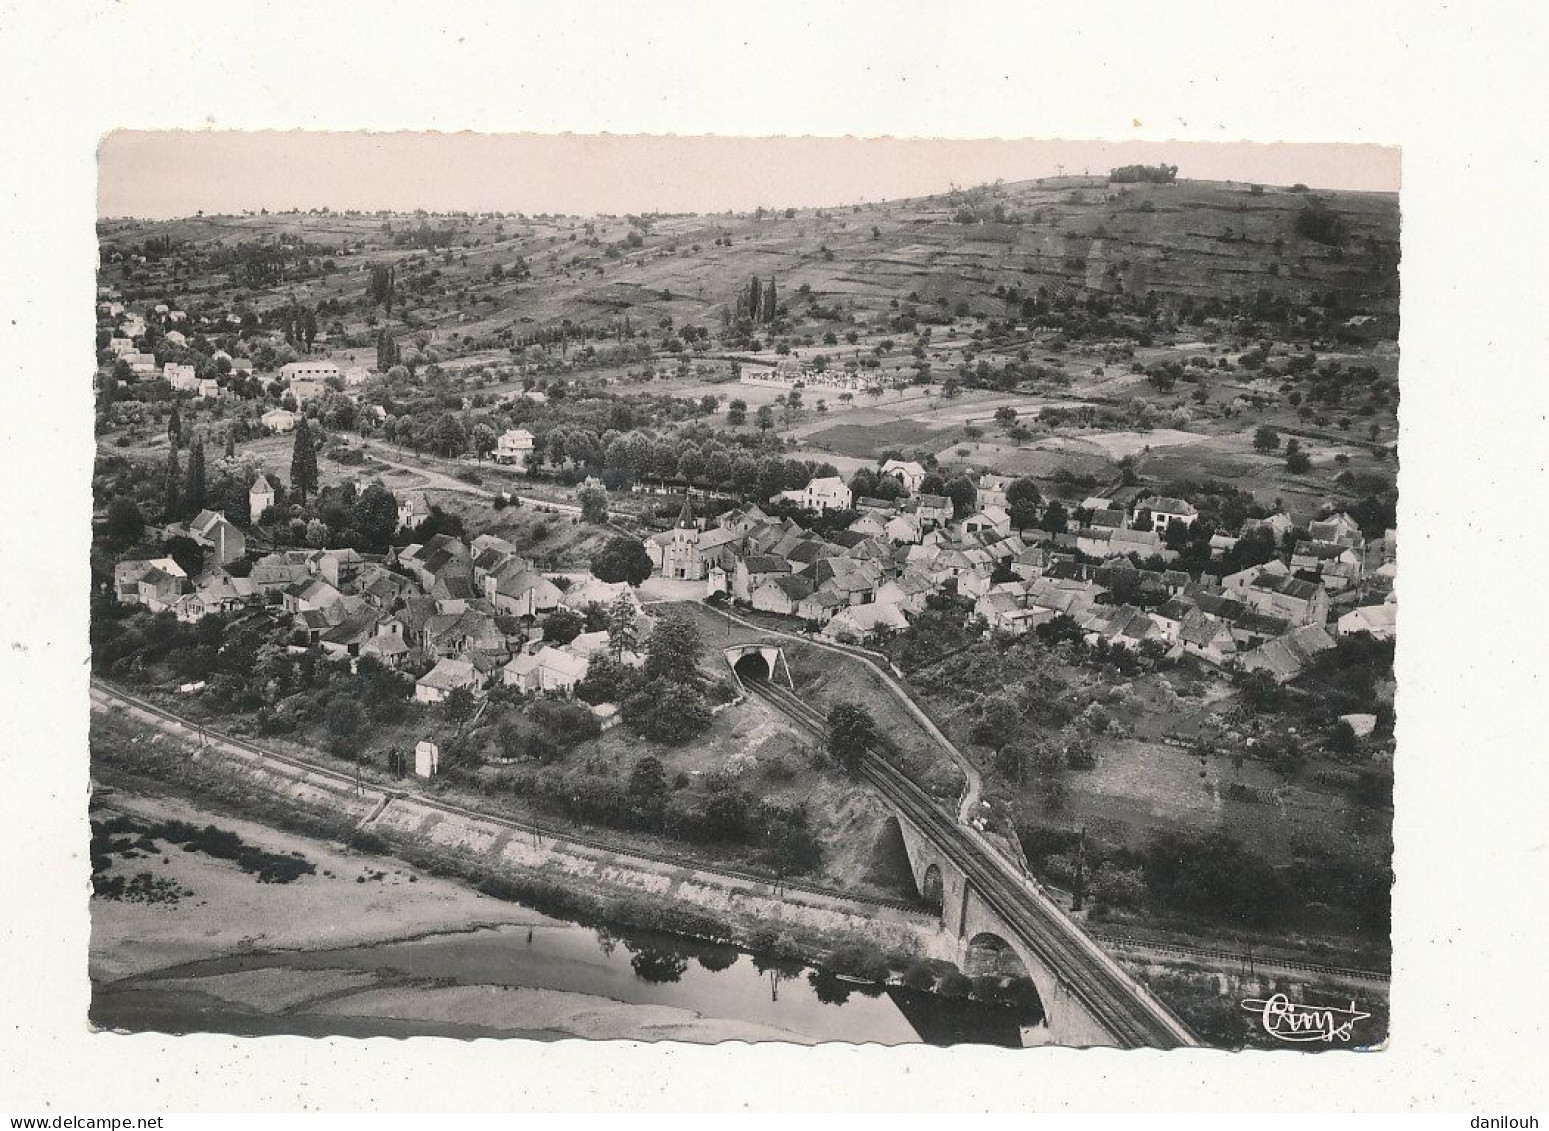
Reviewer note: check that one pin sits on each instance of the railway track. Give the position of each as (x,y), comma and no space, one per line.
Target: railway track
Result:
(1124,1008)
(1240,958)
(529,828)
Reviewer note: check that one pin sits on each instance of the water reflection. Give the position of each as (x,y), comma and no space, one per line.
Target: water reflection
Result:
(659,966)
(829,988)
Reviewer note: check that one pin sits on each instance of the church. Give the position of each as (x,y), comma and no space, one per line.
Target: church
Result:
(675,553)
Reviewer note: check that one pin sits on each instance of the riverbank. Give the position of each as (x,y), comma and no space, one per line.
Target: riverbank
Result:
(358,945)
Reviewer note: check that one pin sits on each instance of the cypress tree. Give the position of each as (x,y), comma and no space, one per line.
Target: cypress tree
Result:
(172,501)
(174,428)
(769,301)
(303,462)
(755,299)
(194,492)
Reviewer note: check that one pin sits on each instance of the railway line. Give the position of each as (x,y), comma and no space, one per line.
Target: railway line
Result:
(529,828)
(1124,1008)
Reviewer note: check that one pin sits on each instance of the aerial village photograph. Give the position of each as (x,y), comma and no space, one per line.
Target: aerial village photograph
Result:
(956,616)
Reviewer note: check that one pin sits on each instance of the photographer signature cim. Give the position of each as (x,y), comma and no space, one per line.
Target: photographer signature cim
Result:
(1286,1020)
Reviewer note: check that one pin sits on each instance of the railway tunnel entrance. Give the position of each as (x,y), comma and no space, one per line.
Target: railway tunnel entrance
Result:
(759,662)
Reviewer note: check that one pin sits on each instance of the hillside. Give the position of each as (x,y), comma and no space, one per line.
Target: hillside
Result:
(484,280)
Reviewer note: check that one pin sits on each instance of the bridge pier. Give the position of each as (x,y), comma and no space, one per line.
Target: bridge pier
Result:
(985,944)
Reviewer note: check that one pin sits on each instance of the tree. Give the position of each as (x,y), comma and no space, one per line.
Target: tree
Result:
(174,427)
(736,413)
(623,559)
(375,517)
(593,497)
(1055,518)
(668,711)
(963,494)
(851,730)
(303,462)
(766,418)
(1005,416)
(1022,499)
(562,626)
(124,523)
(672,653)
(188,554)
(648,781)
(1297,462)
(483,440)
(1265,439)
(172,499)
(194,488)
(345,720)
(621,626)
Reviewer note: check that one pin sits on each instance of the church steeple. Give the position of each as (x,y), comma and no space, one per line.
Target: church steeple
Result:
(686,515)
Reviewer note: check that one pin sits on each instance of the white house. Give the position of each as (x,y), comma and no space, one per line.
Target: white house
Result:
(820,495)
(1165,511)
(278,420)
(412,509)
(183,378)
(1379,620)
(513,447)
(907,472)
(318,371)
(554,670)
(446,677)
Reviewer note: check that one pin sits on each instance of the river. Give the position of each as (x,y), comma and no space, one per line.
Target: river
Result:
(546,980)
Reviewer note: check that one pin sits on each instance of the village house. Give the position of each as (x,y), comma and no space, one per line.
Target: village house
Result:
(827,493)
(1379,621)
(521,592)
(214,531)
(1297,600)
(1287,656)
(156,583)
(215,591)
(550,670)
(907,472)
(1165,511)
(446,677)
(412,510)
(858,624)
(1207,637)
(278,420)
(309,372)
(988,519)
(908,591)
(182,378)
(992,490)
(513,447)
(932,510)
(755,570)
(821,606)
(781,593)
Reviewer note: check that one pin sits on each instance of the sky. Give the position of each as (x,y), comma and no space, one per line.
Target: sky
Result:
(155,175)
